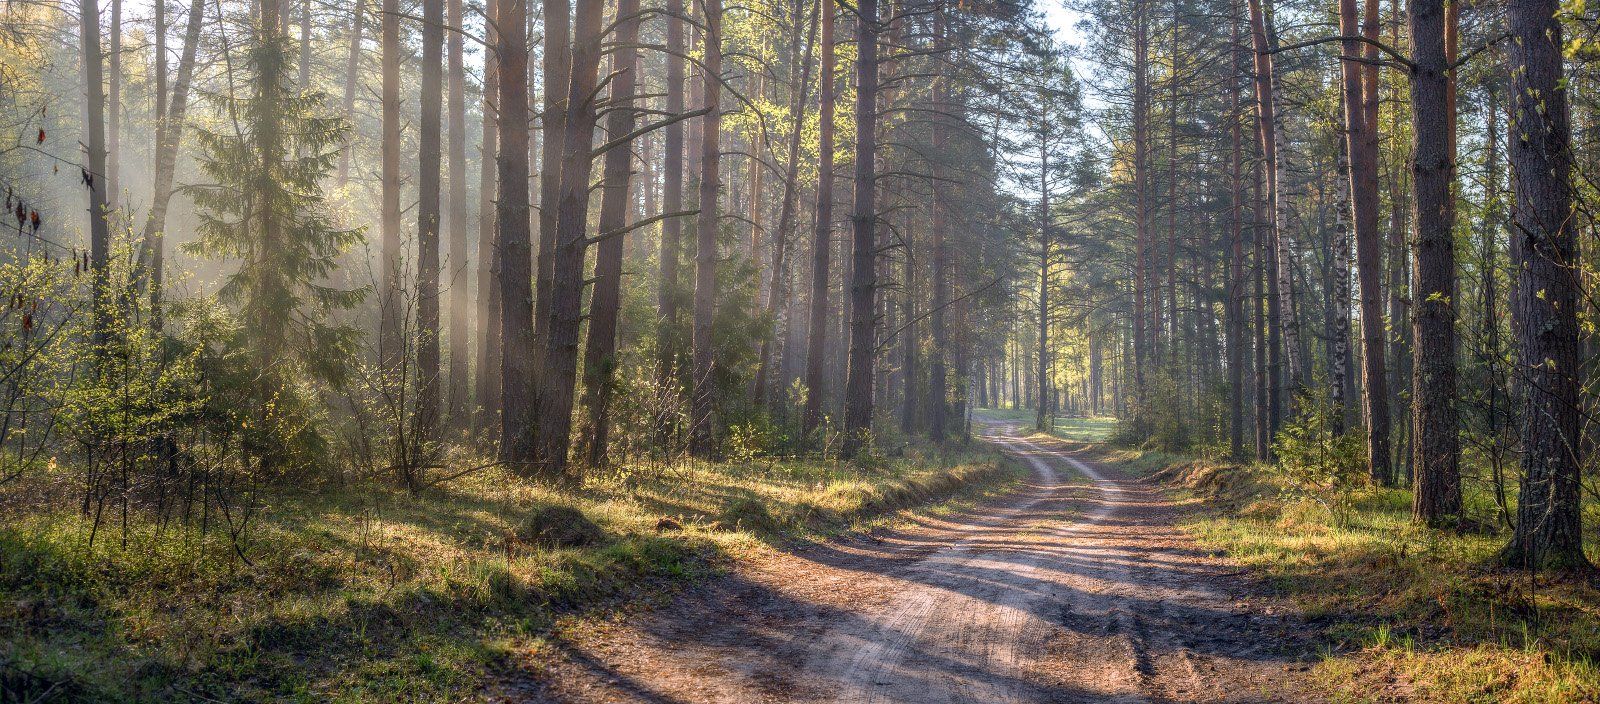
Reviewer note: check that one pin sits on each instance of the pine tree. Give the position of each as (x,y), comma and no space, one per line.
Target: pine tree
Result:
(265,208)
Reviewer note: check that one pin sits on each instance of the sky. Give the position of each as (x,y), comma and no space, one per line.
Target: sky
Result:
(1062,20)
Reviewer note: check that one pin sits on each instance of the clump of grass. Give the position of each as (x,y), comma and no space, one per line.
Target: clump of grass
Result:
(748,514)
(560,526)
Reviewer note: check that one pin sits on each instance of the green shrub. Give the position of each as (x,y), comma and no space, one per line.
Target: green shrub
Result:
(1323,466)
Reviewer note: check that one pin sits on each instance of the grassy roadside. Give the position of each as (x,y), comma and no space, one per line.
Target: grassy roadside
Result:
(375,595)
(1407,613)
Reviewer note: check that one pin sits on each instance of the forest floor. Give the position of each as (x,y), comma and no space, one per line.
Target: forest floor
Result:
(1079,586)
(358,591)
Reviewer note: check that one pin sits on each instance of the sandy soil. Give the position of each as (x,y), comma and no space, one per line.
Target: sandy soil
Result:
(1076,588)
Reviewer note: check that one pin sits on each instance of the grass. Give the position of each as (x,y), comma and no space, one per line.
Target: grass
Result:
(372,595)
(1406,612)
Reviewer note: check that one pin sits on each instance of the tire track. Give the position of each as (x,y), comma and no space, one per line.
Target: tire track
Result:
(1069,591)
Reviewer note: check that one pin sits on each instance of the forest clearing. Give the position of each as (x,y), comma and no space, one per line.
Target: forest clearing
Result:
(799,350)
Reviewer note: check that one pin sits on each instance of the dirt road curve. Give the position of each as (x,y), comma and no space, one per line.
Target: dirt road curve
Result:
(1077,588)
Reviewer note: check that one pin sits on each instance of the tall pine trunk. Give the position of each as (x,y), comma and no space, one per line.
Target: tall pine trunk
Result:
(938,375)
(703,383)
(1041,418)
(600,352)
(460,300)
(1360,132)
(557,70)
(863,283)
(390,323)
(821,240)
(1434,423)
(668,291)
(428,211)
(95,144)
(1549,531)
(565,310)
(1236,281)
(489,258)
(512,225)
(1274,152)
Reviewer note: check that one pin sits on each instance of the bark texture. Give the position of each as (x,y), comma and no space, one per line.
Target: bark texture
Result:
(1545,298)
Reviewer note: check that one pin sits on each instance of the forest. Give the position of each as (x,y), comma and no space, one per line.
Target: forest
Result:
(799,350)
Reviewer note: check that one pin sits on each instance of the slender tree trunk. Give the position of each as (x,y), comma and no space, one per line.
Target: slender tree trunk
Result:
(786,212)
(908,336)
(1437,495)
(572,218)
(938,375)
(489,258)
(1269,257)
(816,342)
(863,340)
(1339,380)
(557,67)
(1362,143)
(305,44)
(352,72)
(668,343)
(390,323)
(169,134)
(428,212)
(600,352)
(1488,300)
(460,300)
(1549,531)
(159,28)
(1236,281)
(114,107)
(701,413)
(95,144)
(1141,214)
(1273,149)
(511,216)
(1041,421)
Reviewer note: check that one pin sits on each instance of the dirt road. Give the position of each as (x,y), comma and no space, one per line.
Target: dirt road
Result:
(1076,588)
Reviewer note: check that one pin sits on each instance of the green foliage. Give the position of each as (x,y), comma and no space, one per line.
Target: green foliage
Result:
(265,209)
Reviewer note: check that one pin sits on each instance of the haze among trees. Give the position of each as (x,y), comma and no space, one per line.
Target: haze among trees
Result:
(279,273)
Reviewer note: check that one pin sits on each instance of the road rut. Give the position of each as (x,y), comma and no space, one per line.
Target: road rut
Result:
(1078,587)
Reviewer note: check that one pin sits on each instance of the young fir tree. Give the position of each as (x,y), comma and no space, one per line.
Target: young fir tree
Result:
(265,209)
